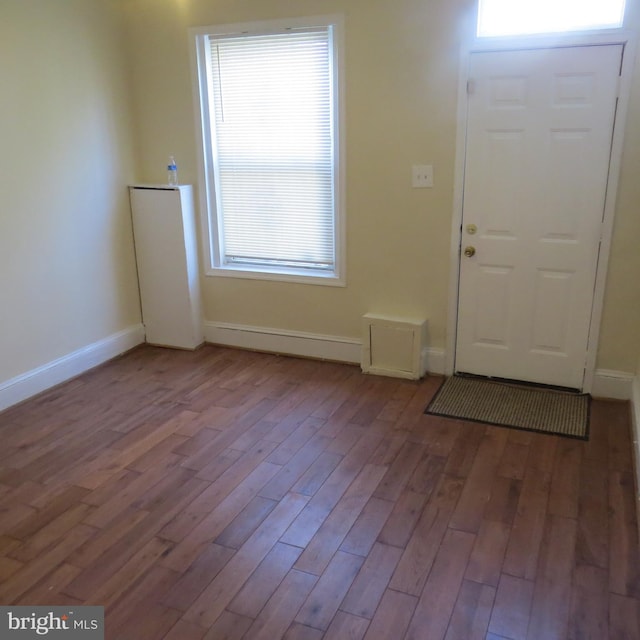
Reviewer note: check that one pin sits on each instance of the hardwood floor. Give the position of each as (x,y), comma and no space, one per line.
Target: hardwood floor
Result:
(225,494)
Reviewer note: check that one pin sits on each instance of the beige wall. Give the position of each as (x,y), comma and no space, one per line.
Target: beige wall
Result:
(620,335)
(68,277)
(401,96)
(67,273)
(401,84)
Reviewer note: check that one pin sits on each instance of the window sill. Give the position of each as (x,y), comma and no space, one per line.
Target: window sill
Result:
(285,275)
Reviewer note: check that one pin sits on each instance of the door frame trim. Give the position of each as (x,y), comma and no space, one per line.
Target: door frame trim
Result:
(614,37)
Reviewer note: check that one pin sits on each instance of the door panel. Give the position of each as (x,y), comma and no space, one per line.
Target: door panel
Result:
(492,321)
(539,128)
(553,291)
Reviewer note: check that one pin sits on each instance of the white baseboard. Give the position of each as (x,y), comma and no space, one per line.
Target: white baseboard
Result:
(624,386)
(635,432)
(607,384)
(434,361)
(308,345)
(32,382)
(616,385)
(294,343)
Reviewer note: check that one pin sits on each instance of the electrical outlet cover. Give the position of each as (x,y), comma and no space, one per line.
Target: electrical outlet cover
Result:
(422,176)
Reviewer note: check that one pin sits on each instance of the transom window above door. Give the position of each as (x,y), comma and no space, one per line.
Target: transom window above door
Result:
(526,17)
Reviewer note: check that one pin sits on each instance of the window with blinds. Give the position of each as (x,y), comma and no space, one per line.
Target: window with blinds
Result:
(270,132)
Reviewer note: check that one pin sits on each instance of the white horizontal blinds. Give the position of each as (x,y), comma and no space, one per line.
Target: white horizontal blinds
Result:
(273,148)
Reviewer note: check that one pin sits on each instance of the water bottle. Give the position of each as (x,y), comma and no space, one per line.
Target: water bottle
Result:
(172,172)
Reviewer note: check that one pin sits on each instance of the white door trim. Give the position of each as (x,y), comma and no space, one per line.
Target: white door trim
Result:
(620,37)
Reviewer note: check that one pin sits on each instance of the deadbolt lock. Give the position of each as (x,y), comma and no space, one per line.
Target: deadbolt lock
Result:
(472,229)
(470,251)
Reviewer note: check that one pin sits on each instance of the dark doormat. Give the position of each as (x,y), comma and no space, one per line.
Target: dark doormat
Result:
(507,404)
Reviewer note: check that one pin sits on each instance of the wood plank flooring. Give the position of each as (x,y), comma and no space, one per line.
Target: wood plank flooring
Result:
(223,494)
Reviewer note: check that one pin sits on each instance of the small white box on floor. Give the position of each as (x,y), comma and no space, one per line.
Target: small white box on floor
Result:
(393,346)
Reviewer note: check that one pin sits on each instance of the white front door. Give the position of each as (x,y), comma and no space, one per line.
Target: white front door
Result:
(539,130)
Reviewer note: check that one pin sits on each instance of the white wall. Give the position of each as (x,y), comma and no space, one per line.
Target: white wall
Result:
(67,270)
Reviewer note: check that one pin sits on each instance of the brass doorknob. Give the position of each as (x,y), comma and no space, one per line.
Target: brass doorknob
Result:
(470,251)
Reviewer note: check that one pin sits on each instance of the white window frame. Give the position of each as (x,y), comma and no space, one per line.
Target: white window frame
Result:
(211,220)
